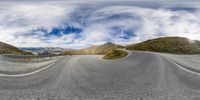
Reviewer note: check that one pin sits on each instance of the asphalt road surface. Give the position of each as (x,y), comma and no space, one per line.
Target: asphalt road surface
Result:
(139,76)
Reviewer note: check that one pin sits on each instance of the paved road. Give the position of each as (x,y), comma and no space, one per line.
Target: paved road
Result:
(139,76)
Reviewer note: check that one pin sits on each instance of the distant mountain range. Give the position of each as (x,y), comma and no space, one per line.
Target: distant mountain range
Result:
(178,45)
(41,50)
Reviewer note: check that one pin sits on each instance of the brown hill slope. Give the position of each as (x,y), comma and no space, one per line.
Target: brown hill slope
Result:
(9,49)
(99,50)
(177,45)
(115,54)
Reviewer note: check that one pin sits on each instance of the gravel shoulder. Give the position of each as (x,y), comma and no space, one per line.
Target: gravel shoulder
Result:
(12,67)
(192,62)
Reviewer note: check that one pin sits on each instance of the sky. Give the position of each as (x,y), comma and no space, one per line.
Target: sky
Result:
(83,23)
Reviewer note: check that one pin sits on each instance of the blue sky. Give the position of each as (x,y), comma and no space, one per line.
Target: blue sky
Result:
(79,24)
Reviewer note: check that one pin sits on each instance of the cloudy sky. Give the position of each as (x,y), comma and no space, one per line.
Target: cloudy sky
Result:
(78,24)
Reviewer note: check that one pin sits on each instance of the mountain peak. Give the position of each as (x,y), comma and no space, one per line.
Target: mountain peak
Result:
(109,43)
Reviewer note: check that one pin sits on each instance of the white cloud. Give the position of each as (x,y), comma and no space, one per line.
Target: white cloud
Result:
(16,22)
(96,21)
(149,23)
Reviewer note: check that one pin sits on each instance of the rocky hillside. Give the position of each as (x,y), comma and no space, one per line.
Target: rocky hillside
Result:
(178,45)
(9,49)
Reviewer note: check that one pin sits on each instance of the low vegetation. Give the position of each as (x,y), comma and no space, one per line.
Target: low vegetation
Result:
(115,54)
(176,45)
(95,50)
(9,49)
(109,50)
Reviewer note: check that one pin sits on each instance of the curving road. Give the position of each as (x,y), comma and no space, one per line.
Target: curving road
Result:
(139,76)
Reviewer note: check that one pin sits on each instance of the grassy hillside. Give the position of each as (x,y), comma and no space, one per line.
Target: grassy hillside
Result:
(115,54)
(97,50)
(9,49)
(178,45)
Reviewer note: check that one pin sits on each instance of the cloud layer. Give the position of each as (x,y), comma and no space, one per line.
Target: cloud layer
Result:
(78,24)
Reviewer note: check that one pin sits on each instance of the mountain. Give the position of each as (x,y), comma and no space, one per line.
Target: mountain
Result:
(178,45)
(46,50)
(9,49)
(99,50)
